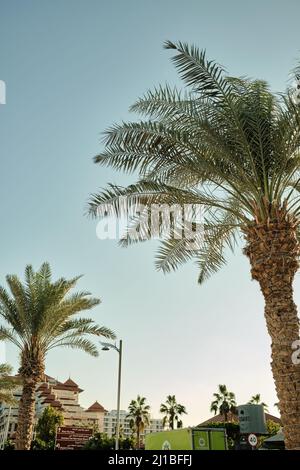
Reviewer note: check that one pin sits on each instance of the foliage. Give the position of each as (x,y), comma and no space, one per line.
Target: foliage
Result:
(39,314)
(256,400)
(228,144)
(224,402)
(101,441)
(46,429)
(139,417)
(8,445)
(172,412)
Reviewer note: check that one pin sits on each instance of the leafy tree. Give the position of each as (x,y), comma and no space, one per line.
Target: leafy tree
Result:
(7,385)
(224,402)
(39,315)
(101,441)
(256,400)
(47,426)
(139,414)
(231,146)
(172,412)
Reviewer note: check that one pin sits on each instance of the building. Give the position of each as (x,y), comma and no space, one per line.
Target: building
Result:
(63,396)
(110,423)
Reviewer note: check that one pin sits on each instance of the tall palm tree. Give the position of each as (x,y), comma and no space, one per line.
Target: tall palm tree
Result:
(139,417)
(172,411)
(7,385)
(231,146)
(224,402)
(256,400)
(39,315)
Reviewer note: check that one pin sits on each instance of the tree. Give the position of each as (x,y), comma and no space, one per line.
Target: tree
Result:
(39,315)
(256,400)
(47,426)
(7,385)
(230,146)
(172,412)
(138,413)
(224,402)
(101,441)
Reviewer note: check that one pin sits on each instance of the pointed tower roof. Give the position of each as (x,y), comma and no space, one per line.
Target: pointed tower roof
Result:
(71,383)
(96,407)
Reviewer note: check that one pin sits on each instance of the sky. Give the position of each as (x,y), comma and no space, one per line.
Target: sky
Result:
(72,68)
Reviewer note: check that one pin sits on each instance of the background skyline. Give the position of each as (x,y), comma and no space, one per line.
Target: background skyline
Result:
(72,68)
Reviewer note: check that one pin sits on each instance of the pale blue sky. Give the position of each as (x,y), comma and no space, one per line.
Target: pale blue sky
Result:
(72,68)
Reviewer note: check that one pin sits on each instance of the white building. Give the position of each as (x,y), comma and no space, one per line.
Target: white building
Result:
(110,423)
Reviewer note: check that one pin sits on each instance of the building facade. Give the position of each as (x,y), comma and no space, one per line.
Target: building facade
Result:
(63,396)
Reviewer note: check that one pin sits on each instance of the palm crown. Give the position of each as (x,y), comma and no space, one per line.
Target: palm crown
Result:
(139,416)
(228,144)
(224,401)
(39,314)
(172,411)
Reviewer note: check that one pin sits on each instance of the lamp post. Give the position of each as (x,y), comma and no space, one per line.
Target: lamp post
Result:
(107,347)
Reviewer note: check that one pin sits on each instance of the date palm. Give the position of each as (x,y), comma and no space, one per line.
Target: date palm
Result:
(139,417)
(7,385)
(224,402)
(256,400)
(231,146)
(39,316)
(172,412)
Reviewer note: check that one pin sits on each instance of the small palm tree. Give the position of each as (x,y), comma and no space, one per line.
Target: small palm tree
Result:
(172,412)
(231,146)
(256,400)
(39,315)
(139,417)
(7,385)
(224,402)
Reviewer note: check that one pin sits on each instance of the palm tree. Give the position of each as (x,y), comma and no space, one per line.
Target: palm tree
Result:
(256,400)
(224,402)
(172,411)
(231,146)
(39,315)
(139,417)
(7,385)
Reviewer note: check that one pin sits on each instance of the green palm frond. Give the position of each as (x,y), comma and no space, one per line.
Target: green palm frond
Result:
(39,315)
(226,143)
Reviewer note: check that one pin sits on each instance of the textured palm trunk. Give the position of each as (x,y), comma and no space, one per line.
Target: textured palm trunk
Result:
(26,416)
(273,251)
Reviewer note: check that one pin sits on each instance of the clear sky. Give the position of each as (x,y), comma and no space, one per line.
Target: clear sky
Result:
(72,68)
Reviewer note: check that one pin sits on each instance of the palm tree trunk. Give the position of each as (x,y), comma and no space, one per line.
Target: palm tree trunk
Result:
(138,437)
(273,252)
(26,416)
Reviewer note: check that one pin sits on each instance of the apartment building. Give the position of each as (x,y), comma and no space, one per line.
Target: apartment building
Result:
(110,423)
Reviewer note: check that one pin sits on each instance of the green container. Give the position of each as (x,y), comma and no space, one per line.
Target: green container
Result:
(187,439)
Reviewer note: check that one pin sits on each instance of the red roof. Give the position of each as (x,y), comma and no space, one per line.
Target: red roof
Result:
(96,407)
(234,419)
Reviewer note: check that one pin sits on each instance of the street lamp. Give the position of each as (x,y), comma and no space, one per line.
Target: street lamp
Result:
(107,347)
